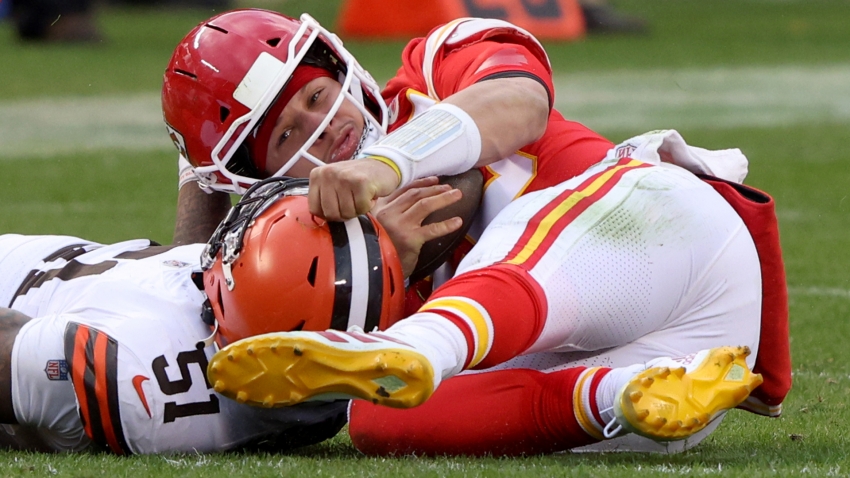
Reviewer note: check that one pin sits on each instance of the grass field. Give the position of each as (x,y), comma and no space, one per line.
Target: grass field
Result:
(83,152)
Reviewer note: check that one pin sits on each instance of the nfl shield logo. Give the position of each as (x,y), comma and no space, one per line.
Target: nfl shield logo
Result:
(624,151)
(56,370)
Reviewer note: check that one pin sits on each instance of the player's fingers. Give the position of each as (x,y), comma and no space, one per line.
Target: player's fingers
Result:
(317,193)
(423,207)
(419,183)
(330,205)
(314,200)
(440,229)
(362,201)
(421,197)
(353,204)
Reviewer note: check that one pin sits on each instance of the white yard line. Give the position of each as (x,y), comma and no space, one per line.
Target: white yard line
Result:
(706,98)
(634,101)
(819,292)
(55,126)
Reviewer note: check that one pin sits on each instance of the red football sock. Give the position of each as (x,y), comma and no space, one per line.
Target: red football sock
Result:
(507,412)
(514,301)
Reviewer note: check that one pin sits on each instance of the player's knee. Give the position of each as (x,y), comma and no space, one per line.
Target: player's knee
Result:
(372,432)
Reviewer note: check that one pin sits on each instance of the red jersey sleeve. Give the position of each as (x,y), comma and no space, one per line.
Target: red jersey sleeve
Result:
(485,60)
(486,55)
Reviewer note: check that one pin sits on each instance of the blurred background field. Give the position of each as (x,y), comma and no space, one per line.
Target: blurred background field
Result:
(83,151)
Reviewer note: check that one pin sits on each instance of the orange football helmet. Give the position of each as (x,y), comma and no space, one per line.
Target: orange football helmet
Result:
(271,266)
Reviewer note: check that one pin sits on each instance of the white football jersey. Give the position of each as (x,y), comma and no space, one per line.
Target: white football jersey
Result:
(115,353)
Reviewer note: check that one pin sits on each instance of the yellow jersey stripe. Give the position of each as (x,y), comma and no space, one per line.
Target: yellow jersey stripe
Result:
(475,315)
(563,208)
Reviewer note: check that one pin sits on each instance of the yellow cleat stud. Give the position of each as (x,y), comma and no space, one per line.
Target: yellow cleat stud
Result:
(664,372)
(250,350)
(297,351)
(230,357)
(642,414)
(679,372)
(268,402)
(241,397)
(646,381)
(219,386)
(635,396)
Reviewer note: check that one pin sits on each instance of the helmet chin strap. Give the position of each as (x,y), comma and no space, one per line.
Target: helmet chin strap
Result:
(369,136)
(209,340)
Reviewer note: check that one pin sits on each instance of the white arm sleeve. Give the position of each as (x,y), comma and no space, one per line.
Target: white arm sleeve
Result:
(444,140)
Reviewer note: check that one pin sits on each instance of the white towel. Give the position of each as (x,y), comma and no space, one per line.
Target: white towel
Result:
(668,146)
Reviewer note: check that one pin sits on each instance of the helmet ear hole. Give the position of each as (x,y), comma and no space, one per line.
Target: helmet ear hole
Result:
(220,302)
(273,42)
(216,28)
(186,73)
(311,276)
(223,113)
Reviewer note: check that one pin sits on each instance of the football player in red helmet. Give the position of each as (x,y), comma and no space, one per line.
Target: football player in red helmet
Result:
(252,93)
(562,308)
(271,266)
(236,69)
(491,79)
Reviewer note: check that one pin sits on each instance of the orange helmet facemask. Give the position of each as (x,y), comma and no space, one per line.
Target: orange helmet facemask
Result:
(271,266)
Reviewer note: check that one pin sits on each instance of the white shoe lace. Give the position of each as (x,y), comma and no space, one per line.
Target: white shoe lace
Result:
(610,431)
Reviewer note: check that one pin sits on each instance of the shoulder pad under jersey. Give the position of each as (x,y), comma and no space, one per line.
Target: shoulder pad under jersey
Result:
(470,30)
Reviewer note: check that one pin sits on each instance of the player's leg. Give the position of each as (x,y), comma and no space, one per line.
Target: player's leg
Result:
(637,258)
(523,411)
(491,315)
(508,412)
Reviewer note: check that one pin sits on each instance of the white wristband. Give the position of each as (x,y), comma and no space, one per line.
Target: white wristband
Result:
(444,140)
(185,172)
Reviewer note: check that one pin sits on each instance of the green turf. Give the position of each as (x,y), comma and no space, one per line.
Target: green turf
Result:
(110,195)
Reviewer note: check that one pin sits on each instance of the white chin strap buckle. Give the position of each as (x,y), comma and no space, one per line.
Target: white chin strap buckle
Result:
(209,340)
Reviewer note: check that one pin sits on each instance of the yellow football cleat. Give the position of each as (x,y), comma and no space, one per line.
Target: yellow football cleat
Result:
(281,369)
(671,401)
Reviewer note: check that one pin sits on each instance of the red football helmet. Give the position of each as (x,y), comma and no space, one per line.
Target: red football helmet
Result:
(271,266)
(227,72)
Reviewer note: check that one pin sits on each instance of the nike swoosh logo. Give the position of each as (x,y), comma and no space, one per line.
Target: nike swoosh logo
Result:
(137,384)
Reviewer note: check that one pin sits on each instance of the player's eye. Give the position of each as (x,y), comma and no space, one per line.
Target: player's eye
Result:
(315,97)
(284,137)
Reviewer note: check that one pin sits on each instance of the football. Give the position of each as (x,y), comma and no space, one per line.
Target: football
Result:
(436,251)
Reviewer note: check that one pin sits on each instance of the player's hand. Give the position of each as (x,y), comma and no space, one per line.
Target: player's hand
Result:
(402,212)
(347,189)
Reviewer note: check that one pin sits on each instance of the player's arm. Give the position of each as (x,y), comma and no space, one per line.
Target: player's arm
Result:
(198,214)
(11,322)
(489,110)
(508,112)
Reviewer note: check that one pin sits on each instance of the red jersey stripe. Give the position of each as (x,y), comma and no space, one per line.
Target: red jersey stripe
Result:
(545,227)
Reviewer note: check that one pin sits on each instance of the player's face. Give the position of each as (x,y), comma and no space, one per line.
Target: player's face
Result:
(300,118)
